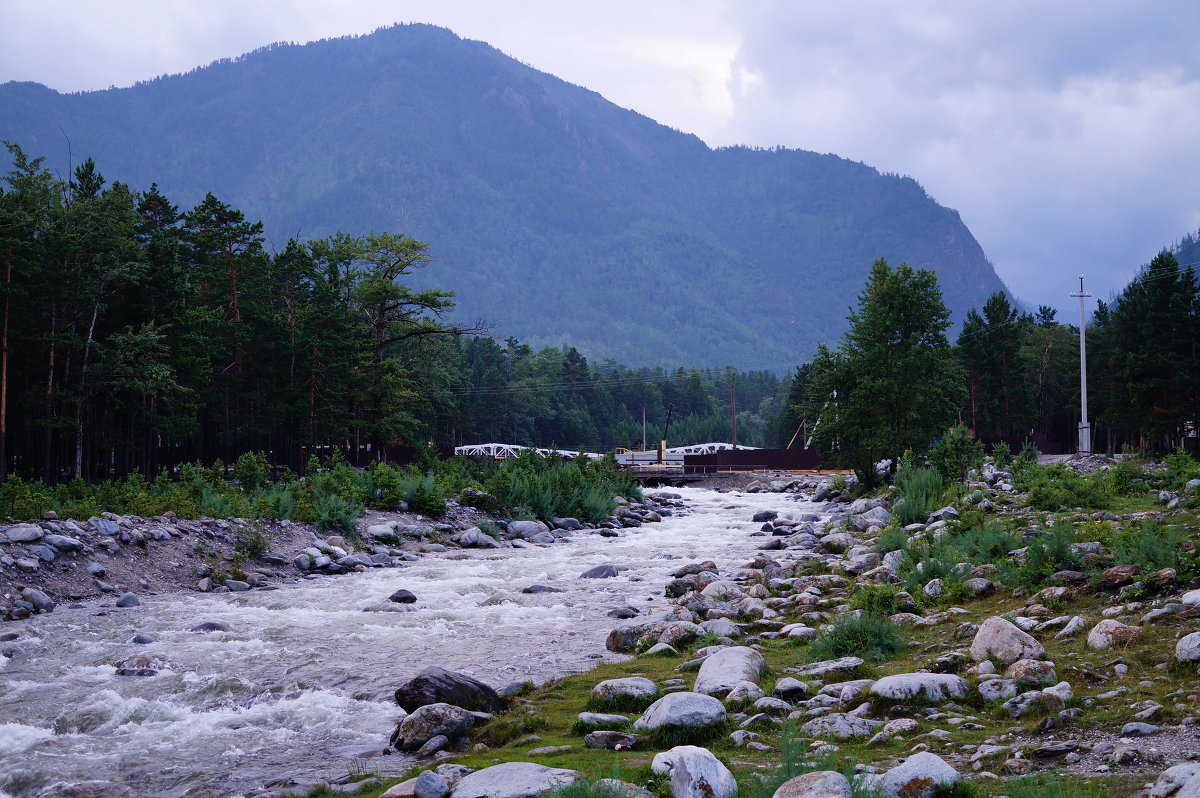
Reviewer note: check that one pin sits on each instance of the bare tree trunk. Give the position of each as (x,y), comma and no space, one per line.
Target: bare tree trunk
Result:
(83,372)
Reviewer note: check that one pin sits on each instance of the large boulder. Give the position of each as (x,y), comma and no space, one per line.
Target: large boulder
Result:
(439,686)
(23,533)
(476,538)
(1000,640)
(690,710)
(818,784)
(514,780)
(917,777)
(726,669)
(1180,781)
(430,721)
(934,687)
(1111,633)
(695,773)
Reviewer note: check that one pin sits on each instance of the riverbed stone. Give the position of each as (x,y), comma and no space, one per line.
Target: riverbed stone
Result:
(918,776)
(690,710)
(430,721)
(933,687)
(841,725)
(23,533)
(727,668)
(476,538)
(634,686)
(695,773)
(403,596)
(436,685)
(999,640)
(1188,648)
(430,785)
(514,780)
(1111,633)
(527,529)
(40,601)
(818,784)
(128,600)
(64,543)
(606,571)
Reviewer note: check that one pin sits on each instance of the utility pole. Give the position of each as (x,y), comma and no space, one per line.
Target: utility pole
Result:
(644,444)
(1085,429)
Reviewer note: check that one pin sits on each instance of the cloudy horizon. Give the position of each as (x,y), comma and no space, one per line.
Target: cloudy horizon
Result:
(1059,133)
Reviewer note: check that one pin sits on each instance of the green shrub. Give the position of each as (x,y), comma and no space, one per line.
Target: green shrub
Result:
(877,600)
(1053,486)
(874,639)
(920,494)
(1044,555)
(891,540)
(1181,467)
(1027,458)
(1002,456)
(956,453)
(1153,546)
(21,500)
(251,470)
(335,513)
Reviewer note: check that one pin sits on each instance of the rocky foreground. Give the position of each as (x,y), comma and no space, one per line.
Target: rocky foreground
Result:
(1091,676)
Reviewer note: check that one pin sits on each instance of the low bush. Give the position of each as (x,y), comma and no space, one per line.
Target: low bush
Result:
(956,453)
(872,638)
(920,494)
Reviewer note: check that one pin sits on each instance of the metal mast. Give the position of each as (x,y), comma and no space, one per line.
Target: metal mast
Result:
(1085,429)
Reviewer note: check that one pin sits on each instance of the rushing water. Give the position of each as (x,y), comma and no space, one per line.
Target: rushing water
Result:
(301,682)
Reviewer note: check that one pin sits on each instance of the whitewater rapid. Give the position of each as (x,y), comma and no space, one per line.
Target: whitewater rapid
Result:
(301,683)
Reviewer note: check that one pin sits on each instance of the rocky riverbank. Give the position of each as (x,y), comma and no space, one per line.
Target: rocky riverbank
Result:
(1094,676)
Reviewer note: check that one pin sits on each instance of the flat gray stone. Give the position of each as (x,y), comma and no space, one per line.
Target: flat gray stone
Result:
(514,780)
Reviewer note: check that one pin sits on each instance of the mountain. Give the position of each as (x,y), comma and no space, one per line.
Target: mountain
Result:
(553,213)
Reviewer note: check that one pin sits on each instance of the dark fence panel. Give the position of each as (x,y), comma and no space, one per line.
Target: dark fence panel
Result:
(751,460)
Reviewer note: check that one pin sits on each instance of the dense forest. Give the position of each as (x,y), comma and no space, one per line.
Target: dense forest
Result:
(137,336)
(558,217)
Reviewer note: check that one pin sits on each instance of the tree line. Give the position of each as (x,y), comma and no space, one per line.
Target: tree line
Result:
(135,336)
(896,383)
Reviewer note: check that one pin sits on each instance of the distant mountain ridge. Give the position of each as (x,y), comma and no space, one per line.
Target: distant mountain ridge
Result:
(553,213)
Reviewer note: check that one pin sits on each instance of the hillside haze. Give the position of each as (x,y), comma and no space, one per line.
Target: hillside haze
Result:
(554,214)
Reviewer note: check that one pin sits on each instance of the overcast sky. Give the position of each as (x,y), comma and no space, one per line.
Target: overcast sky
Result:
(1067,134)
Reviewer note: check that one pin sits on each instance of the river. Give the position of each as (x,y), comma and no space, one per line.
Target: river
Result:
(301,683)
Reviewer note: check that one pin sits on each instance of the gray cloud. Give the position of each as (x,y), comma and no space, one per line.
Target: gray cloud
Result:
(1064,132)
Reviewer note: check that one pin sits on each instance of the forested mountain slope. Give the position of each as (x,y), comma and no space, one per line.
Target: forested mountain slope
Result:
(552,213)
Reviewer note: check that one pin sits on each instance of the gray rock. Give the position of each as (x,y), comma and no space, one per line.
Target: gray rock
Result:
(727,668)
(611,740)
(143,639)
(439,686)
(601,719)
(841,725)
(1032,673)
(876,516)
(1188,648)
(1171,780)
(934,687)
(64,543)
(430,785)
(1023,704)
(475,538)
(527,529)
(40,601)
(23,533)
(1110,633)
(237,585)
(210,626)
(403,596)
(128,600)
(600,572)
(514,780)
(998,639)
(429,721)
(1138,729)
(918,776)
(695,773)
(825,667)
(997,689)
(790,689)
(818,784)
(681,709)
(635,686)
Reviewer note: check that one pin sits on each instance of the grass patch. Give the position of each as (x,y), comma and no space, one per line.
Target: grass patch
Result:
(503,730)
(665,737)
(622,703)
(874,639)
